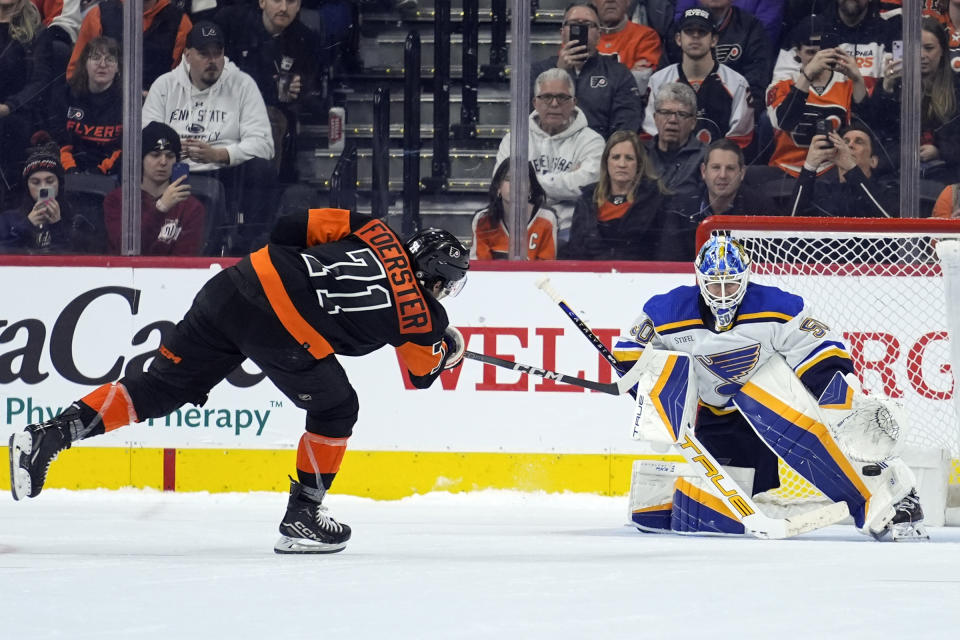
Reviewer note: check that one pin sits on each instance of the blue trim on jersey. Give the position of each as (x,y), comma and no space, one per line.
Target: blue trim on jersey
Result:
(677,305)
(679,309)
(761,298)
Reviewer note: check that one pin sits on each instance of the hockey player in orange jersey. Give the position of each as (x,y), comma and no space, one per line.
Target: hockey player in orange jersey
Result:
(330,282)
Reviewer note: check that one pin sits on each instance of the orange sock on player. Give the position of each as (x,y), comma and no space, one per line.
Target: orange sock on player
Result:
(112,404)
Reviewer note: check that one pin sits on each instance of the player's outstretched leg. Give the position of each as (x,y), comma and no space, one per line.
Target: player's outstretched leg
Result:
(308,528)
(33,449)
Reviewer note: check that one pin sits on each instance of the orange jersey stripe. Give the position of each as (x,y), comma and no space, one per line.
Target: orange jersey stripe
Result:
(327,225)
(283,306)
(421,360)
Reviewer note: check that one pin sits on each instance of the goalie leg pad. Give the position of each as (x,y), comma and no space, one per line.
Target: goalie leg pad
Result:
(669,497)
(697,510)
(807,446)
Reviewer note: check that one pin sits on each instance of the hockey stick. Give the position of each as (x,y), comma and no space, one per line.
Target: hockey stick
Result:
(624,385)
(706,466)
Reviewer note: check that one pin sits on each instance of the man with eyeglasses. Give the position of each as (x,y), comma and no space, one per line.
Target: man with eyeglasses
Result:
(674,151)
(723,95)
(606,90)
(564,151)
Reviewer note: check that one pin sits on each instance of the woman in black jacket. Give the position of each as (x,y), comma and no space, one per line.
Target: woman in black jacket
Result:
(86,116)
(619,218)
(25,74)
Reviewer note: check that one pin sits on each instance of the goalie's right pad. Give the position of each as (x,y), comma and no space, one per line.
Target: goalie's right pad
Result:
(668,497)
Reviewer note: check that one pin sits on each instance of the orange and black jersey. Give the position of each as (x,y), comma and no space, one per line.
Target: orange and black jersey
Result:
(343,283)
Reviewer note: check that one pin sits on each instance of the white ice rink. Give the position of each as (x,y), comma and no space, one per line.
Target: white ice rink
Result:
(488,565)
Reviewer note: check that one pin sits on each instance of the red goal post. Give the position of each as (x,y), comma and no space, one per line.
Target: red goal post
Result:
(891,288)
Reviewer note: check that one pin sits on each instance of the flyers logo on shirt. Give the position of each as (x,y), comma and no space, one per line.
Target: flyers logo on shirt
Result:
(598,82)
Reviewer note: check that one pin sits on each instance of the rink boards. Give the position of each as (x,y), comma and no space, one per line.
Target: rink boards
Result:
(73,325)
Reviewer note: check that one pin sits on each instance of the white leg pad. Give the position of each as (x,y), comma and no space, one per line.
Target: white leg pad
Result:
(893,483)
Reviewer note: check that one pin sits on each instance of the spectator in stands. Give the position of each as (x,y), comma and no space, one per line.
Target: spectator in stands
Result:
(24,74)
(280,53)
(768,12)
(62,20)
(171,220)
(563,149)
(742,45)
(723,95)
(607,92)
(857,193)
(86,115)
(723,170)
(656,14)
(636,46)
(674,152)
(620,217)
(165,29)
(44,221)
(822,90)
(492,225)
(951,18)
(222,121)
(940,103)
(856,27)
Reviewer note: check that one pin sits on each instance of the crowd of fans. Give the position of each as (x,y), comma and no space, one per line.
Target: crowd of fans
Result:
(651,116)
(224,83)
(775,107)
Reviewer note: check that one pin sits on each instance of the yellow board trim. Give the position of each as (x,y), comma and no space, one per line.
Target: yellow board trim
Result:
(382,475)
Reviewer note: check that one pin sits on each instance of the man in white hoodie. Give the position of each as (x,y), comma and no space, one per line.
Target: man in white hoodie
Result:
(563,149)
(224,129)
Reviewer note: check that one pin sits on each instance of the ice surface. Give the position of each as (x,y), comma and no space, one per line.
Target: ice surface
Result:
(491,565)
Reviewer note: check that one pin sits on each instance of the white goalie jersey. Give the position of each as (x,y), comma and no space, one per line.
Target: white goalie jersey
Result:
(769,321)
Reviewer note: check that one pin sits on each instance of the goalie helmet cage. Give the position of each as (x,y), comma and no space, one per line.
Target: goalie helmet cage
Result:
(891,288)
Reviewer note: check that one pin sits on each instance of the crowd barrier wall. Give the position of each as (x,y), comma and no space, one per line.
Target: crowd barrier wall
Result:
(70,324)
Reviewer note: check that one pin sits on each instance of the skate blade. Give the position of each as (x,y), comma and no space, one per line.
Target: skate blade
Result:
(302,545)
(21,444)
(909,533)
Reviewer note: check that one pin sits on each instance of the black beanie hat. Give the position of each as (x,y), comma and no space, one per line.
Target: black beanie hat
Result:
(160,137)
(43,155)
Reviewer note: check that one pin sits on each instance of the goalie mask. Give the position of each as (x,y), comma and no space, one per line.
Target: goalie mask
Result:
(723,271)
(439,257)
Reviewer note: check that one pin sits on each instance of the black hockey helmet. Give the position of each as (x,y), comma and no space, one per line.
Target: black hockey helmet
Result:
(439,257)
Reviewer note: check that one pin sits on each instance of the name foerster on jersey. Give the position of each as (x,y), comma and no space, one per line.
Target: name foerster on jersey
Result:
(732,366)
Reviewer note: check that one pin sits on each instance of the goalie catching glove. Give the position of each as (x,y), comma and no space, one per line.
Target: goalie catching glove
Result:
(456,347)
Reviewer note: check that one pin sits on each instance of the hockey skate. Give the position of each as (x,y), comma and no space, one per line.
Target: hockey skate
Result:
(907,522)
(308,528)
(33,449)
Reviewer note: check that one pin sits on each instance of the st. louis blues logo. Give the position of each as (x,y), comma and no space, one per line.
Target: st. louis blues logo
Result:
(732,367)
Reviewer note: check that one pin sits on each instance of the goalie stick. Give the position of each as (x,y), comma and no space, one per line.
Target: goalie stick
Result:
(624,385)
(702,461)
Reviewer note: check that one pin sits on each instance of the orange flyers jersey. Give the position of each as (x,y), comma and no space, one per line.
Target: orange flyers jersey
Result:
(634,42)
(491,241)
(795,115)
(343,283)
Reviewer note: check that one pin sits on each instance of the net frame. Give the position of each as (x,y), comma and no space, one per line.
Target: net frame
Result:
(843,267)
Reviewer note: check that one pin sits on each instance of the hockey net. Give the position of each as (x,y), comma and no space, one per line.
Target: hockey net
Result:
(885,286)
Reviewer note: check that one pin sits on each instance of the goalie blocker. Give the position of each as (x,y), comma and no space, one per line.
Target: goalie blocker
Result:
(842,444)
